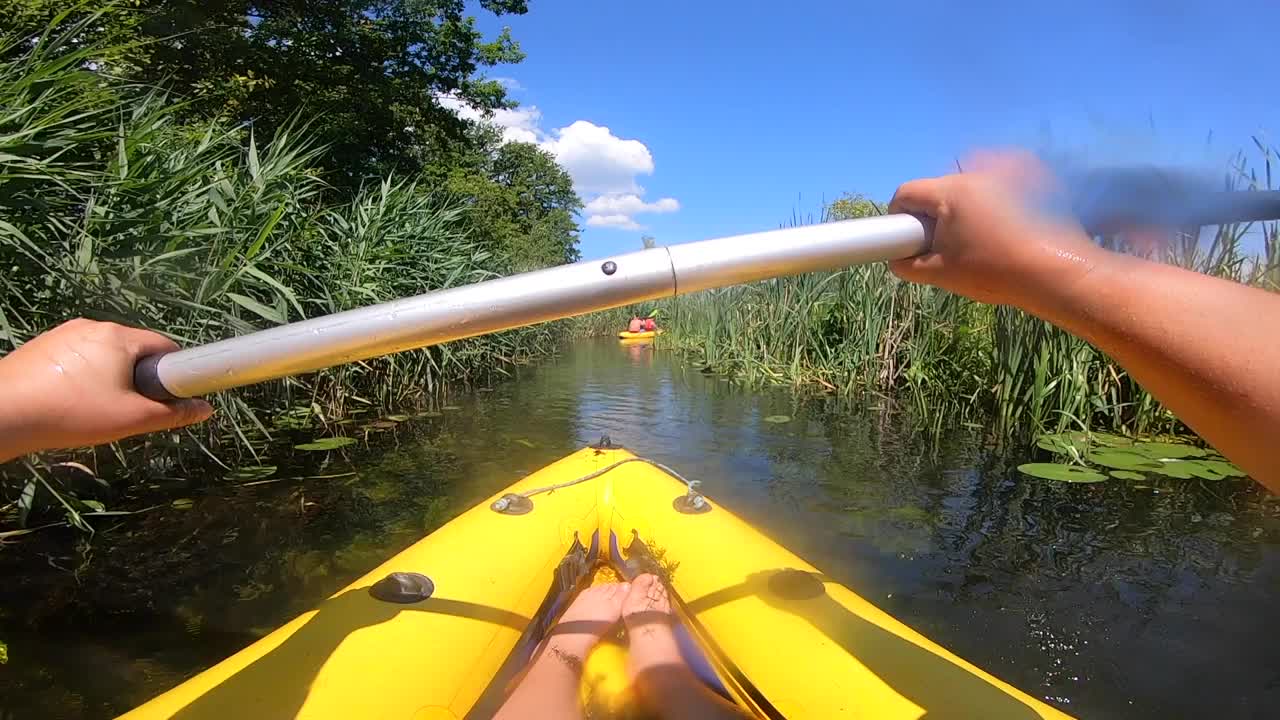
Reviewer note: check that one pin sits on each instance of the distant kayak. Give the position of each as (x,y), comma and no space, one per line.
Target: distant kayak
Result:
(642,335)
(441,630)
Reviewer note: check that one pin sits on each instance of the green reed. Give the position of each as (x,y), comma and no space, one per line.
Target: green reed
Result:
(112,209)
(862,330)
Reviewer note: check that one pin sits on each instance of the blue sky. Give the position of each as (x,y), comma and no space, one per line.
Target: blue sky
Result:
(687,120)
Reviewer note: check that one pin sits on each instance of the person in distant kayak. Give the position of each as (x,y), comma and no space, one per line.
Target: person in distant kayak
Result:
(650,324)
(664,683)
(636,324)
(1203,346)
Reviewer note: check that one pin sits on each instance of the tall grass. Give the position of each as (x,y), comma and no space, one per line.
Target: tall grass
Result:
(851,331)
(112,209)
(862,330)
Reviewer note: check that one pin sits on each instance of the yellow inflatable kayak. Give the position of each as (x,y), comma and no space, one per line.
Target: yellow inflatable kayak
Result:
(441,629)
(644,335)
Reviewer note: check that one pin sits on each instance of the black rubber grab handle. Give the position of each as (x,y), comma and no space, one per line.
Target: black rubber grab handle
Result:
(146,379)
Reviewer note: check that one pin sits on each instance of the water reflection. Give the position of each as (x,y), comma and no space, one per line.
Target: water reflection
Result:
(1109,600)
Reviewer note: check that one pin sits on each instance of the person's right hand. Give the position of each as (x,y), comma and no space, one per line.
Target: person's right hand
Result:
(989,243)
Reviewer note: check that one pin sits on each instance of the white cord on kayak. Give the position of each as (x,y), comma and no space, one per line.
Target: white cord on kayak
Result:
(691,484)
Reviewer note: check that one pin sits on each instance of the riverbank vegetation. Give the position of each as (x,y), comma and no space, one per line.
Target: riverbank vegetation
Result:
(206,178)
(861,330)
(209,176)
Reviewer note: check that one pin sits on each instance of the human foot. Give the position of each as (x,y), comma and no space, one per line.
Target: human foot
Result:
(589,617)
(549,689)
(646,612)
(662,679)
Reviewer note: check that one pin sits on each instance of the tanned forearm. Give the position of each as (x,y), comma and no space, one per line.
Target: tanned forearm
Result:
(1209,349)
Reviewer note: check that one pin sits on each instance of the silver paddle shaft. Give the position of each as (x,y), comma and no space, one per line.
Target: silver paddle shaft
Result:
(525,299)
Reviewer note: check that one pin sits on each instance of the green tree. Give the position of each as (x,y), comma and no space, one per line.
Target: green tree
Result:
(520,204)
(365,77)
(544,204)
(853,205)
(368,74)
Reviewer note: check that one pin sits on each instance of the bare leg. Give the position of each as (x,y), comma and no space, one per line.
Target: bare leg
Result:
(550,689)
(663,681)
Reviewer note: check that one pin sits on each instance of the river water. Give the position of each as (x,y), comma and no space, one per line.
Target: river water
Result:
(1107,600)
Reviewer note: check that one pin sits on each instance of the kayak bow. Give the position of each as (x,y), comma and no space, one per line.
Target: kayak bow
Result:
(440,630)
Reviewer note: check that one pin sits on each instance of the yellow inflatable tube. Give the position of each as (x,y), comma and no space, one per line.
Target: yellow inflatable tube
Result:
(782,639)
(643,335)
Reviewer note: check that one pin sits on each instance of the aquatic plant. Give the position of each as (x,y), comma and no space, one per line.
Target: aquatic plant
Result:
(861,330)
(1086,456)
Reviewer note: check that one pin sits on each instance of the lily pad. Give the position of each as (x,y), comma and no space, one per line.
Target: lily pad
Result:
(1181,469)
(397,418)
(450,408)
(380,425)
(1064,443)
(1118,459)
(1209,469)
(1222,467)
(429,413)
(777,419)
(183,503)
(1111,439)
(329,443)
(1127,475)
(1067,443)
(1161,450)
(252,472)
(1203,472)
(1062,473)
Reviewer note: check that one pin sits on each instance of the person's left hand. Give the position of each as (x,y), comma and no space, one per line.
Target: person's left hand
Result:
(73,386)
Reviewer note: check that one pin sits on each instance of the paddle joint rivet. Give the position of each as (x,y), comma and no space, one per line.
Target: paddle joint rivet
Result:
(609,267)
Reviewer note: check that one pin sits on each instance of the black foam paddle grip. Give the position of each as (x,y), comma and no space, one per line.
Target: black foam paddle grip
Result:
(146,379)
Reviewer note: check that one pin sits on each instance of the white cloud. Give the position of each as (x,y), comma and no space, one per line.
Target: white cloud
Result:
(621,222)
(629,204)
(598,160)
(509,83)
(518,124)
(459,107)
(604,167)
